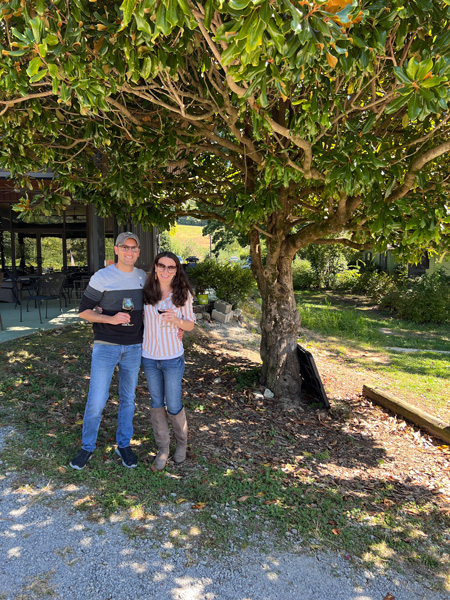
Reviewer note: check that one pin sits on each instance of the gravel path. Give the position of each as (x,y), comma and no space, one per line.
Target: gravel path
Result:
(48,549)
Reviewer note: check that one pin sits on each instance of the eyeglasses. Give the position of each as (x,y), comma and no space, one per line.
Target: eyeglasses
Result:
(125,248)
(161,268)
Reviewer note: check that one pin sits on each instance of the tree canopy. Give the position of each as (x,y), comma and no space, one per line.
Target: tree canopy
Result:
(299,121)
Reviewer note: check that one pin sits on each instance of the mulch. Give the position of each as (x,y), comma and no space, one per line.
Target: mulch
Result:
(360,445)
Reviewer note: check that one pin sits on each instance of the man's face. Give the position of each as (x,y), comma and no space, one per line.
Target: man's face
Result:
(127,253)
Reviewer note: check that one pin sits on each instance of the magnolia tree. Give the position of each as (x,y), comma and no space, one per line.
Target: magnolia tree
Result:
(297,122)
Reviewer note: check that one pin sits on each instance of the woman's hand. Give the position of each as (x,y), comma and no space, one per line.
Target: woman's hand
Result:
(169,316)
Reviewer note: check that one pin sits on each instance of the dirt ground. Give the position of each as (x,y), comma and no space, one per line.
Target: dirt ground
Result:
(365,444)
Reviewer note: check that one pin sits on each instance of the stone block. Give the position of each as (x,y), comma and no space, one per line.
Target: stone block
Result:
(222,307)
(220,316)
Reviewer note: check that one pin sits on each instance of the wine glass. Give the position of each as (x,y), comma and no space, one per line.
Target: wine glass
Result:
(127,306)
(161,310)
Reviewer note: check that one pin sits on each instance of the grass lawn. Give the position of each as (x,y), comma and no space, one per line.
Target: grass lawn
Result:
(189,234)
(364,336)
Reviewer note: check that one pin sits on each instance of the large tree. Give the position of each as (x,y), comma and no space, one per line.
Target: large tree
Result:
(297,121)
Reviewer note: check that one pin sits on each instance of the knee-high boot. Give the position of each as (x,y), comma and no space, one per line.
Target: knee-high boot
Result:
(161,434)
(180,431)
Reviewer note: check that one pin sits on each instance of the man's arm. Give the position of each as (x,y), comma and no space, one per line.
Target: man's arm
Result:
(95,317)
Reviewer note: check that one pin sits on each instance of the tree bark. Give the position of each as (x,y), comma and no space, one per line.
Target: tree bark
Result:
(280,321)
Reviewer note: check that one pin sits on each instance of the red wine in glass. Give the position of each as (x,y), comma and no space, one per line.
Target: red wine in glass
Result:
(127,306)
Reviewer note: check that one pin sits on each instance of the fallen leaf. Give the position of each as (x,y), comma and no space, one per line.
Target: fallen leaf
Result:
(181,500)
(336,531)
(389,597)
(242,498)
(199,505)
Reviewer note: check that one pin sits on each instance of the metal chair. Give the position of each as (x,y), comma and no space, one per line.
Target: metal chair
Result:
(50,288)
(17,292)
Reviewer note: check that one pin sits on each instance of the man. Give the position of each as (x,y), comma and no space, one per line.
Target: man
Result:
(117,341)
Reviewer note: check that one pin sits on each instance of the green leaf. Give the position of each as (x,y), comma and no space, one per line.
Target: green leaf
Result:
(256,35)
(412,68)
(51,39)
(161,21)
(184,7)
(423,69)
(40,75)
(142,24)
(34,66)
(209,12)
(397,104)
(40,7)
(146,67)
(239,4)
(171,12)
(402,76)
(52,69)
(414,107)
(432,82)
(127,8)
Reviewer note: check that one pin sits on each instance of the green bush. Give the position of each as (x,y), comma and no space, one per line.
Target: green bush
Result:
(422,300)
(348,281)
(230,282)
(374,284)
(326,262)
(302,274)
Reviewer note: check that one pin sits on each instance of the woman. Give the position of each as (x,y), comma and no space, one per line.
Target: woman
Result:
(168,299)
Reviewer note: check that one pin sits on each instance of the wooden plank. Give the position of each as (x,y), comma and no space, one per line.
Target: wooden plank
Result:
(412,413)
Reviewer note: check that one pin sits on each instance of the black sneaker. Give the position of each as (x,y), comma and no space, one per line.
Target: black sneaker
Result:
(129,458)
(80,460)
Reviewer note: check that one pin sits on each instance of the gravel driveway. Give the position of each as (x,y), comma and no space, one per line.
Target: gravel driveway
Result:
(51,550)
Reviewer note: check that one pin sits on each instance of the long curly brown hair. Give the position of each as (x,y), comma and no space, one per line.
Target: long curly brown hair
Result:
(180,285)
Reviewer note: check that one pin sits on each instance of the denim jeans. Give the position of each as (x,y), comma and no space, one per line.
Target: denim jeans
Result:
(105,357)
(164,382)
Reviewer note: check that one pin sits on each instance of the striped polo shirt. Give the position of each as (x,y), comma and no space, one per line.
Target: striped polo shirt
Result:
(162,343)
(107,288)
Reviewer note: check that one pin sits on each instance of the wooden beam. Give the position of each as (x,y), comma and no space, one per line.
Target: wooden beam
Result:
(410,412)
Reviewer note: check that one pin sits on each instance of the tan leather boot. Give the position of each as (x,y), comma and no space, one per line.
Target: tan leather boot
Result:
(161,434)
(180,431)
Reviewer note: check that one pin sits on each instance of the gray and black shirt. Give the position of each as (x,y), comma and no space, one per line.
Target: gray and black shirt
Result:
(107,288)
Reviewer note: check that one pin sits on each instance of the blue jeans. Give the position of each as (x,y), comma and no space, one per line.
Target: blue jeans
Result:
(105,357)
(164,382)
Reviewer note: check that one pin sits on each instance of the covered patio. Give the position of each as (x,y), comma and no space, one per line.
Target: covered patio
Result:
(75,242)
(13,328)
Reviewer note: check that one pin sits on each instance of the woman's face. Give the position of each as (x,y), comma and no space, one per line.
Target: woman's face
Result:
(165,269)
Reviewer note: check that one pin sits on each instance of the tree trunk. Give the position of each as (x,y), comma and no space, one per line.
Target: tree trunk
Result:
(280,321)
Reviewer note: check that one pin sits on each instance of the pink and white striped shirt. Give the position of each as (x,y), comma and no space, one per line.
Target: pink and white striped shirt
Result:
(162,343)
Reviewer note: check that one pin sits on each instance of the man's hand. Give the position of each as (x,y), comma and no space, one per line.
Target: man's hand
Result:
(119,318)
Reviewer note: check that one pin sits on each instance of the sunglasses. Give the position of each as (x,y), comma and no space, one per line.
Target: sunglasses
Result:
(125,248)
(161,268)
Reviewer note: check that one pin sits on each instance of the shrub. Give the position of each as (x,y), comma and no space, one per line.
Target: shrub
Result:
(230,282)
(374,284)
(422,300)
(302,274)
(326,262)
(348,281)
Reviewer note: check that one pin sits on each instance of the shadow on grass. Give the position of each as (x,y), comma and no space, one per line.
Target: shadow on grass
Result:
(252,465)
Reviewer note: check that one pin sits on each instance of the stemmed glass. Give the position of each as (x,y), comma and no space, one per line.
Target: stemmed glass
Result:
(127,306)
(161,310)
